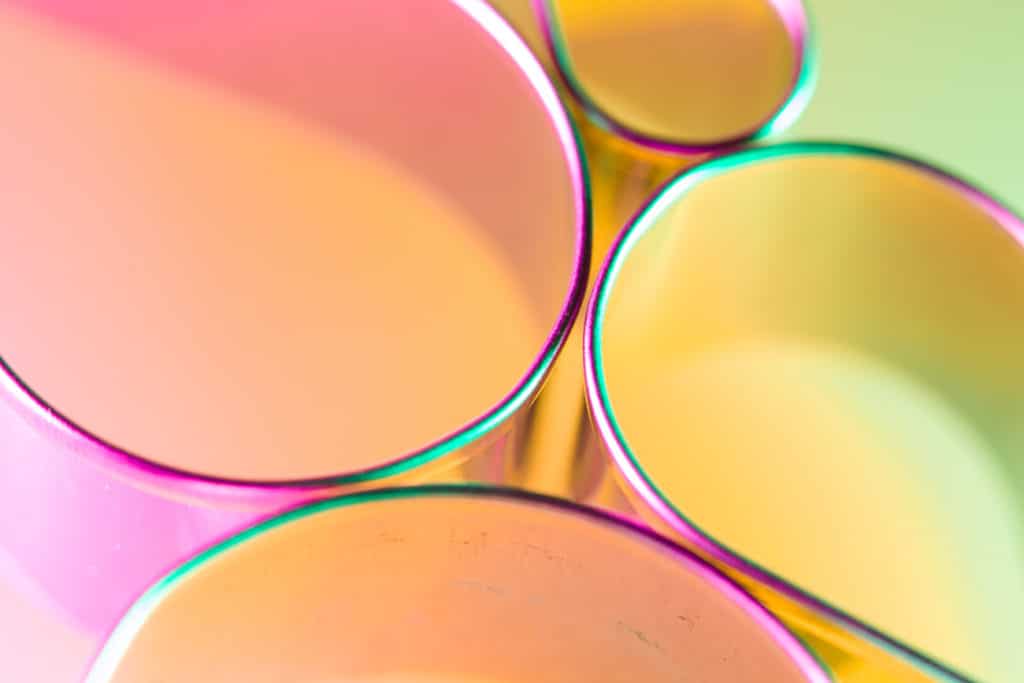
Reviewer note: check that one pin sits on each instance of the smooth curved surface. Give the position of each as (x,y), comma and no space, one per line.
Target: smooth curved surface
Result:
(887,75)
(684,75)
(805,360)
(457,584)
(245,247)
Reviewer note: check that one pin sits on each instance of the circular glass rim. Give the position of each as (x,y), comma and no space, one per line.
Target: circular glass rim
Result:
(610,432)
(495,28)
(795,19)
(117,645)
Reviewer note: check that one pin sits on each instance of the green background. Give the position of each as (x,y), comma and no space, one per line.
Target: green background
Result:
(942,80)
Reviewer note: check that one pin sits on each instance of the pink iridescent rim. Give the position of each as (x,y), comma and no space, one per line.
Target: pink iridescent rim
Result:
(616,443)
(795,19)
(112,652)
(154,474)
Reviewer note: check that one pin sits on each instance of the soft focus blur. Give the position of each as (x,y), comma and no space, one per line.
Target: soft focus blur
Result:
(936,80)
(939,80)
(930,554)
(257,261)
(817,360)
(269,241)
(477,589)
(694,71)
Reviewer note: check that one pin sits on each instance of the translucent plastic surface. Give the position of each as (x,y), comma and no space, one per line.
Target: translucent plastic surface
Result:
(807,361)
(449,584)
(313,244)
(683,74)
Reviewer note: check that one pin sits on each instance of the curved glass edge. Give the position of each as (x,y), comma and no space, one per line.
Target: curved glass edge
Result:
(611,433)
(799,25)
(105,664)
(572,147)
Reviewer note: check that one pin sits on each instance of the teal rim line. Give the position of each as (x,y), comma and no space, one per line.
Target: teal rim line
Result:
(569,137)
(800,28)
(110,656)
(611,432)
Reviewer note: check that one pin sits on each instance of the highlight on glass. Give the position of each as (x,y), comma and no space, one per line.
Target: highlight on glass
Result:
(449,584)
(805,361)
(686,76)
(254,254)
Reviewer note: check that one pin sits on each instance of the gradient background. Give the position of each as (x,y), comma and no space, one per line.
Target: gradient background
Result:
(144,101)
(939,80)
(935,80)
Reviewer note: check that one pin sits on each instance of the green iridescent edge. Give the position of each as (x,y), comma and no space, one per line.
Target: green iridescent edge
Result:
(788,111)
(645,220)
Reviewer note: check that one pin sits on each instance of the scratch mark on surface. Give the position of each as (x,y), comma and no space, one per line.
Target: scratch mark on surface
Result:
(641,636)
(480,586)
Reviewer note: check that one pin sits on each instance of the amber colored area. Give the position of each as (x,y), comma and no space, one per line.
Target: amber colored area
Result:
(458,588)
(818,361)
(699,71)
(266,265)
(522,16)
(411,678)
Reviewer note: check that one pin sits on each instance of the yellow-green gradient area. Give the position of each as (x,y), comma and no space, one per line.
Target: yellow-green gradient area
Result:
(817,359)
(940,80)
